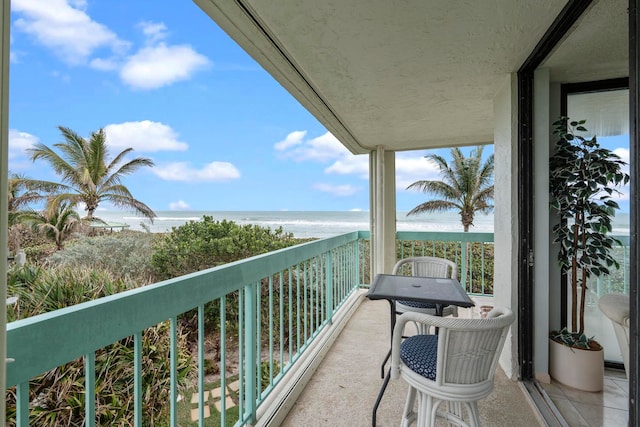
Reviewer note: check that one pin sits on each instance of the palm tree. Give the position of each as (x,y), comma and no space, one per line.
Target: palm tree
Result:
(23,192)
(55,223)
(86,176)
(466,185)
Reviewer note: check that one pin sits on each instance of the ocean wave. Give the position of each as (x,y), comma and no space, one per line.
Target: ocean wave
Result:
(314,224)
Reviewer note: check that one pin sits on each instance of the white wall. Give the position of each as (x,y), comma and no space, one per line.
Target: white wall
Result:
(505,106)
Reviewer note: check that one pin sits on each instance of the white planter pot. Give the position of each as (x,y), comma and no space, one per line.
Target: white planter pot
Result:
(580,369)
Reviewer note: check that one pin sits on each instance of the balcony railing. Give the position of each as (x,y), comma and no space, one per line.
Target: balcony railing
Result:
(274,305)
(472,252)
(264,313)
(616,280)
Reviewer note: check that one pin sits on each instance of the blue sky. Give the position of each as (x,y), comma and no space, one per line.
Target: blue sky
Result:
(161,77)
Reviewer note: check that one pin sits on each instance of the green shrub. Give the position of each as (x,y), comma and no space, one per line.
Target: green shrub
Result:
(198,245)
(38,254)
(479,274)
(124,254)
(57,397)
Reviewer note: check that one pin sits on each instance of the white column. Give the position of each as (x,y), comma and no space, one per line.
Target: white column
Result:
(5,12)
(389,212)
(379,212)
(505,283)
(382,210)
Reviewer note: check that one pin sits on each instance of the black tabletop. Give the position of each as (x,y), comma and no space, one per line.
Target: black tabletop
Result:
(423,289)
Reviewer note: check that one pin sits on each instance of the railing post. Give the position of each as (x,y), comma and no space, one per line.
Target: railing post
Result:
(463,274)
(22,404)
(137,379)
(223,361)
(251,357)
(201,334)
(90,389)
(174,374)
(329,288)
(355,259)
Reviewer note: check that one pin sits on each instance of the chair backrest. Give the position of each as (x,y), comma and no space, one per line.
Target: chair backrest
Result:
(426,266)
(468,350)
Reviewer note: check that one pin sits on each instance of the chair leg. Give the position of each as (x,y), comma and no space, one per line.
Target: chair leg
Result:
(409,416)
(455,409)
(425,407)
(427,410)
(474,414)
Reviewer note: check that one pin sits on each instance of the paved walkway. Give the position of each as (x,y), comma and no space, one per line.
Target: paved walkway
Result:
(345,386)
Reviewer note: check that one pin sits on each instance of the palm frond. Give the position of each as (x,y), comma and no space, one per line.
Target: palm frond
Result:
(82,166)
(466,184)
(433,206)
(131,203)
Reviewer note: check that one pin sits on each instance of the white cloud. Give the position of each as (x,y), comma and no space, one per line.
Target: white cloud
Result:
(410,169)
(161,65)
(104,64)
(153,31)
(70,33)
(19,142)
(321,149)
(211,172)
(625,191)
(65,28)
(623,153)
(350,165)
(144,135)
(180,205)
(337,190)
(293,139)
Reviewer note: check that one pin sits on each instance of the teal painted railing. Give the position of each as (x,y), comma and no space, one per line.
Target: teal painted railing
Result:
(616,280)
(275,305)
(272,306)
(472,252)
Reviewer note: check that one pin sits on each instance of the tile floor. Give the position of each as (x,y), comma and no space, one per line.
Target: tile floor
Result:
(608,408)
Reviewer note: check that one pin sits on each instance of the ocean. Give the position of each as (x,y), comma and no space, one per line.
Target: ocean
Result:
(319,224)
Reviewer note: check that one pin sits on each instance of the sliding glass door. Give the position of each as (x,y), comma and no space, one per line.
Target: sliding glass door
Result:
(606,111)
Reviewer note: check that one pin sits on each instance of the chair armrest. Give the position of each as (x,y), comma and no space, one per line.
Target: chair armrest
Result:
(498,317)
(401,321)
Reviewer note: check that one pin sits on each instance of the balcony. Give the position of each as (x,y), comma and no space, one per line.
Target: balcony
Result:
(345,386)
(266,323)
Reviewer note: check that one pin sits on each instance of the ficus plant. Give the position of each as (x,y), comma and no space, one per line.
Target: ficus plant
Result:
(584,179)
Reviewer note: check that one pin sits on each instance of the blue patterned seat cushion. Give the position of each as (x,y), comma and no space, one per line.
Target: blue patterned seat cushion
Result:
(416,304)
(420,354)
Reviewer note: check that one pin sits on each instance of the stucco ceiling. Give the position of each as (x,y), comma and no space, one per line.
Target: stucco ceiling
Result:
(402,74)
(597,48)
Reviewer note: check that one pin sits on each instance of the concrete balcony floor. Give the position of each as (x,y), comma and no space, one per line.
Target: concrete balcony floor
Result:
(343,390)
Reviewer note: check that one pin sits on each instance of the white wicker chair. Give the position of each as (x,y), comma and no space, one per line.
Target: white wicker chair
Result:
(455,367)
(616,307)
(425,266)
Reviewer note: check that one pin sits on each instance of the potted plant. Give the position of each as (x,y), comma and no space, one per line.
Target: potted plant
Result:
(583,178)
